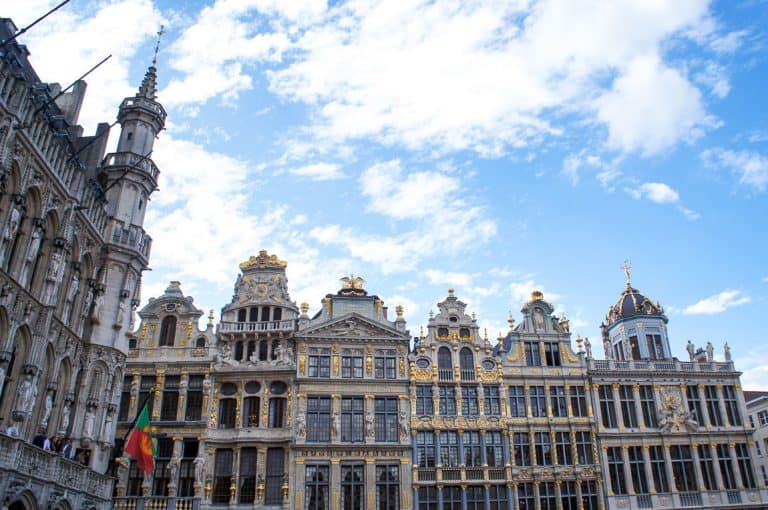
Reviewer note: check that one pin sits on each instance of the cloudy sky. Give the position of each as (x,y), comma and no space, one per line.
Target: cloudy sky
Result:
(494,147)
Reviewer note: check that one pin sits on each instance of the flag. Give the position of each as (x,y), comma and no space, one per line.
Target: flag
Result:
(140,445)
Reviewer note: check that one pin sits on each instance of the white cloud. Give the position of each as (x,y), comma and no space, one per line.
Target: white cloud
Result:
(749,167)
(715,78)
(657,192)
(718,303)
(319,171)
(449,278)
(765,280)
(68,43)
(651,107)
(688,213)
(521,292)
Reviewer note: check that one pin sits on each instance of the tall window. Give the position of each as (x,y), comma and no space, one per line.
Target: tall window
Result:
(160,477)
(584,447)
(648,406)
(521,444)
(352,425)
(168,331)
(492,403)
(447,401)
(276,412)
(319,363)
(385,409)
(745,465)
(655,347)
(318,419)
(452,498)
(552,354)
(247,481)
(222,473)
(467,364)
(251,411)
(607,409)
(589,494)
(682,467)
(627,402)
(444,366)
(497,497)
(494,449)
(427,498)
(557,401)
(352,486)
(526,499)
(517,401)
(424,402)
(694,403)
(275,472)
(352,363)
(713,406)
(146,392)
(194,398)
(532,354)
(469,406)
(538,401)
(125,399)
(616,470)
(578,401)
(726,467)
(568,496)
(707,467)
(242,315)
(449,449)
(227,413)
(637,469)
(472,456)
(658,470)
(563,448)
(425,449)
(543,448)
(170,404)
(387,487)
(634,348)
(547,496)
(316,487)
(475,497)
(187,468)
(135,478)
(731,406)
(385,364)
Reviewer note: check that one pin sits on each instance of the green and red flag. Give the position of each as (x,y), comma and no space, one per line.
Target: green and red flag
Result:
(140,445)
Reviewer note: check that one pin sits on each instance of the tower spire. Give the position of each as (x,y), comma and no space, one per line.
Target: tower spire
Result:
(148,87)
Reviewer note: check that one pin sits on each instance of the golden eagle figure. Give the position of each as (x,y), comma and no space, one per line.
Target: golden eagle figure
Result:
(352,282)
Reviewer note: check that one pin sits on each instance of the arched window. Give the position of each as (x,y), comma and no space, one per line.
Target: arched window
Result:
(277,314)
(200,342)
(264,313)
(444,366)
(241,315)
(253,314)
(467,364)
(168,331)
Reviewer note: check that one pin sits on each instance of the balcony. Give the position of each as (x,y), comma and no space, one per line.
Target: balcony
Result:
(132,237)
(155,503)
(131,159)
(660,366)
(445,374)
(49,468)
(747,498)
(257,327)
(169,353)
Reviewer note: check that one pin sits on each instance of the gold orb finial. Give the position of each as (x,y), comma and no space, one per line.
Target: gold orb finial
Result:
(450,291)
(537,295)
(511,321)
(399,311)
(304,308)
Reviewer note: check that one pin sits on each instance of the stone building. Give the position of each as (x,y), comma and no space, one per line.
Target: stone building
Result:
(757,411)
(672,434)
(72,250)
(352,447)
(168,369)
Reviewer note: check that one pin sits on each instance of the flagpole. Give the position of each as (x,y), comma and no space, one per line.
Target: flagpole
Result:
(138,412)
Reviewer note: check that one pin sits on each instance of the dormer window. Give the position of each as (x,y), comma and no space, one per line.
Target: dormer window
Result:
(464,332)
(168,331)
(453,318)
(442,332)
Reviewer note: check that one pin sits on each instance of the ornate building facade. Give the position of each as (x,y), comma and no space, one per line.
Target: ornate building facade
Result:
(71,256)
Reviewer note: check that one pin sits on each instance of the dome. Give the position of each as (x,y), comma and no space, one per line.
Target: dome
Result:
(632,303)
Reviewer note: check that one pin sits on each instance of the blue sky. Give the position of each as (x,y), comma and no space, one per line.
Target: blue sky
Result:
(493,147)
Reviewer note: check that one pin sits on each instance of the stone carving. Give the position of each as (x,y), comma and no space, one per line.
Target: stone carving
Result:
(74,286)
(336,425)
(120,314)
(369,430)
(710,351)
(588,347)
(26,394)
(98,304)
(34,248)
(608,349)
(10,232)
(727,352)
(301,425)
(403,422)
(691,350)
(48,408)
(65,417)
(538,320)
(88,422)
(673,416)
(199,463)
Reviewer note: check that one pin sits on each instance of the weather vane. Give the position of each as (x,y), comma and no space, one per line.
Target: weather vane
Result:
(157,45)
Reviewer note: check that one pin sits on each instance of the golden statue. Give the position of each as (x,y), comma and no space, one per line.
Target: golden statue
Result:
(352,282)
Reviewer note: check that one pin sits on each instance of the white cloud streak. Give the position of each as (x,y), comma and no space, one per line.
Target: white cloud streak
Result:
(717,303)
(749,167)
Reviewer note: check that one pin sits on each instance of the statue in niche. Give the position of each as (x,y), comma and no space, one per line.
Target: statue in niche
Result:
(65,418)
(199,463)
(369,430)
(34,248)
(74,286)
(120,314)
(48,408)
(301,425)
(336,424)
(26,394)
(11,228)
(88,422)
(98,304)
(538,320)
(403,422)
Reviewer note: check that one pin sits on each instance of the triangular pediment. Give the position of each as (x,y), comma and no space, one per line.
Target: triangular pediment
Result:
(352,325)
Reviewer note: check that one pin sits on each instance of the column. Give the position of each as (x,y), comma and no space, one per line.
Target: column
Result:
(547,399)
(536,493)
(598,413)
(335,483)
(668,467)
(480,399)
(183,386)
(606,470)
(174,465)
(617,407)
(462,463)
(736,468)
(511,496)
(574,449)
(553,447)
(631,489)
(721,404)
(483,453)
(558,494)
(135,384)
(588,394)
(301,474)
(638,407)
(235,475)
(406,483)
(369,408)
(336,418)
(158,403)
(697,467)
(568,406)
(527,390)
(261,472)
(532,446)
(705,422)
(370,483)
(579,500)
(716,463)
(648,470)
